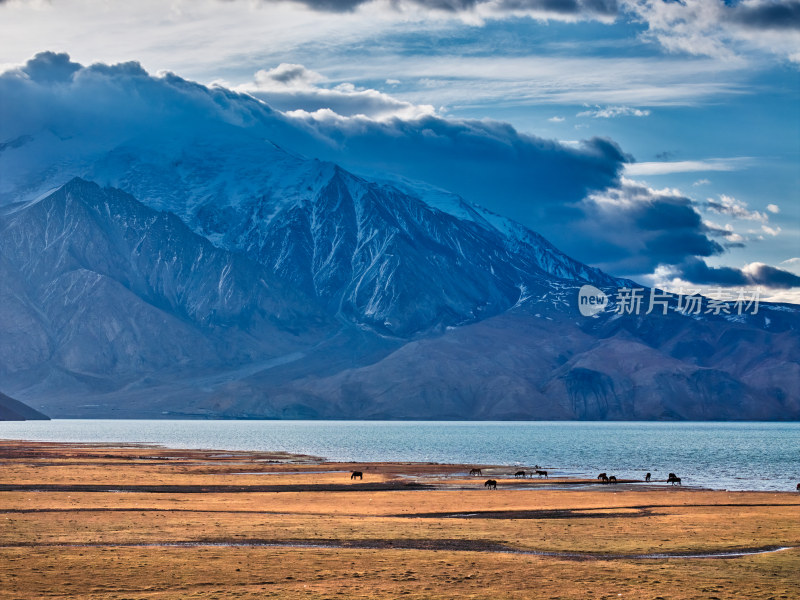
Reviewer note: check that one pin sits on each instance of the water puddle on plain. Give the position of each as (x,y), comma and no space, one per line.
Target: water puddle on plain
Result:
(398,545)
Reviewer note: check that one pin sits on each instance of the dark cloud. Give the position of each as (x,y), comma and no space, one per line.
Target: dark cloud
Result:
(334,6)
(670,246)
(442,5)
(590,8)
(343,6)
(287,74)
(631,230)
(769,14)
(97,108)
(697,271)
(601,7)
(486,162)
(772,277)
(563,7)
(675,213)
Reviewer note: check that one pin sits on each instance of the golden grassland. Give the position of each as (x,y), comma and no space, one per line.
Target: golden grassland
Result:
(80,521)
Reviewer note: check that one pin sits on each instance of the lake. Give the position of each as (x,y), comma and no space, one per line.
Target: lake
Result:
(733,456)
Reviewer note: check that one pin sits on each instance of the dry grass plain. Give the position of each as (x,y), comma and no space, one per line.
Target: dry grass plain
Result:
(132,522)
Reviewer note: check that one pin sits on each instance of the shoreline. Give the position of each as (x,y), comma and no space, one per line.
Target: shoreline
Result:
(412,470)
(753,456)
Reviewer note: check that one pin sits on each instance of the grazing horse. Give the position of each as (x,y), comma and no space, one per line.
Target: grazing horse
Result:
(673,479)
(670,476)
(603,477)
(798,487)
(474,471)
(519,474)
(647,478)
(491,484)
(357,474)
(540,473)
(612,479)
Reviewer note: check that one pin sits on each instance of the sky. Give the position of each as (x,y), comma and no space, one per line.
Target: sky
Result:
(658,140)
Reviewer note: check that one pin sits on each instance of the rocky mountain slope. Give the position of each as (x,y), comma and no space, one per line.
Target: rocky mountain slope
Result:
(361,301)
(14,410)
(99,290)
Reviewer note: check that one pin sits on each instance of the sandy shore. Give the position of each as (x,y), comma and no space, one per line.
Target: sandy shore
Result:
(129,521)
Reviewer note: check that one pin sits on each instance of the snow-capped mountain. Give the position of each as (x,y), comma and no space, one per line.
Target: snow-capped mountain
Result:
(368,250)
(196,267)
(107,299)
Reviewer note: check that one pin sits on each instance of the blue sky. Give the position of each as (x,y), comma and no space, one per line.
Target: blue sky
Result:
(700,97)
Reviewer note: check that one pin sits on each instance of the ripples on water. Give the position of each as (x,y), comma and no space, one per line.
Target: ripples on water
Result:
(734,456)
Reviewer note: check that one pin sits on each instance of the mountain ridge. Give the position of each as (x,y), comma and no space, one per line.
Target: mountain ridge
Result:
(526,354)
(14,410)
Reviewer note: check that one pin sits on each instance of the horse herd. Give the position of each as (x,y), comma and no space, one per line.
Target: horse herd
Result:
(603,477)
(518,474)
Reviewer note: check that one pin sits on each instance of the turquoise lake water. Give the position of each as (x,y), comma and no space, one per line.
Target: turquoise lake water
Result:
(733,456)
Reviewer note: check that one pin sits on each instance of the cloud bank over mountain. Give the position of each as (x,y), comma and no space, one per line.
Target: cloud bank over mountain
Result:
(61,116)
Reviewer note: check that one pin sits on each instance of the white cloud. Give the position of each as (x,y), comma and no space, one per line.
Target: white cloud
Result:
(298,91)
(773,231)
(700,182)
(665,279)
(209,40)
(687,166)
(719,28)
(791,296)
(734,238)
(792,264)
(725,231)
(610,112)
(505,81)
(728,205)
(773,208)
(556,119)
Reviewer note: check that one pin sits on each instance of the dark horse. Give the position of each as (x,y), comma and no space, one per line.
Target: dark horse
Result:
(491,484)
(798,487)
(357,474)
(519,474)
(540,473)
(647,478)
(474,471)
(603,477)
(673,479)
(612,479)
